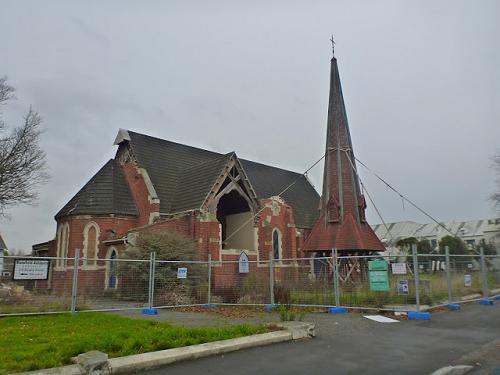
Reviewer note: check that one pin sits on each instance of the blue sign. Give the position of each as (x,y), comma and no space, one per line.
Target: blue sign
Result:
(182,272)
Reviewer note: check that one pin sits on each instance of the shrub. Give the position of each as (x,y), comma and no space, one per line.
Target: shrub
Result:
(282,294)
(169,246)
(227,294)
(286,314)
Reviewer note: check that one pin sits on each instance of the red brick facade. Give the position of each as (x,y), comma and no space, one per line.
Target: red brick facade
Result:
(199,225)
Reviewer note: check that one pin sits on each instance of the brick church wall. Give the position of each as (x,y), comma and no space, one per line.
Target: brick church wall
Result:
(145,205)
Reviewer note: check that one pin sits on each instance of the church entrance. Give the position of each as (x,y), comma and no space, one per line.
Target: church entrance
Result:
(237,224)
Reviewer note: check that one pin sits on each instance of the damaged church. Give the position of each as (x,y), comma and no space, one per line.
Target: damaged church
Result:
(228,205)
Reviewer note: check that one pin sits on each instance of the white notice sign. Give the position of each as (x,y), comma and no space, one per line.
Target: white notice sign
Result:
(182,272)
(467,280)
(31,269)
(243,266)
(398,268)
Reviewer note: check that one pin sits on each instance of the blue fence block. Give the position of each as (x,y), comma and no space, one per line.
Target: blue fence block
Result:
(337,310)
(454,306)
(419,315)
(150,311)
(269,307)
(209,306)
(486,302)
(497,298)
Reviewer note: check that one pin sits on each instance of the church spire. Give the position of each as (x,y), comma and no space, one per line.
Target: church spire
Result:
(342,223)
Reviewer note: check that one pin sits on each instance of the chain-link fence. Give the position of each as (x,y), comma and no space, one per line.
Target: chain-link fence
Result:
(411,282)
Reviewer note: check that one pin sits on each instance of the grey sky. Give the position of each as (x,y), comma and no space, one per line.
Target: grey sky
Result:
(421,82)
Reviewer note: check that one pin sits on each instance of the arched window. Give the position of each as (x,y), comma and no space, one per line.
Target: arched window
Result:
(277,251)
(91,243)
(59,262)
(111,269)
(62,245)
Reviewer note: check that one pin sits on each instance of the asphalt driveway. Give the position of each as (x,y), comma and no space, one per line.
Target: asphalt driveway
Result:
(351,344)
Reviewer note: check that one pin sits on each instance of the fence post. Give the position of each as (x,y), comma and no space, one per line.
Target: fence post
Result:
(271,278)
(209,292)
(416,276)
(484,274)
(335,278)
(151,279)
(74,287)
(151,288)
(448,273)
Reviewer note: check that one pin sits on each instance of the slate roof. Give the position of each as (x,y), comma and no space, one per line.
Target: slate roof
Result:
(107,192)
(200,179)
(183,175)
(270,181)
(3,246)
(171,164)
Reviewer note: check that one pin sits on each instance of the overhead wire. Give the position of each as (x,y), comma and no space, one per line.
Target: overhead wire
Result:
(403,197)
(346,150)
(279,195)
(370,198)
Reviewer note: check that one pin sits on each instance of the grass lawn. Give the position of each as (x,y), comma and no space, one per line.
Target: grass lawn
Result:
(36,342)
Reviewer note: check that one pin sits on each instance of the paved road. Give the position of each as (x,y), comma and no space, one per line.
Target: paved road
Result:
(351,344)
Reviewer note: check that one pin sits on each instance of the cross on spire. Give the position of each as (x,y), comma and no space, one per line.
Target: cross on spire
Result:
(333,46)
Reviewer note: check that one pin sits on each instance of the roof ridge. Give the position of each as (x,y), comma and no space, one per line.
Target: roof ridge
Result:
(213,152)
(173,142)
(272,166)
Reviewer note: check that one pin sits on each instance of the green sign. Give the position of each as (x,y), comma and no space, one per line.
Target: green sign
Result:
(377,265)
(379,277)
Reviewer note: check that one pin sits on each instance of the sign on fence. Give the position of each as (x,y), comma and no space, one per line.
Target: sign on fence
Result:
(467,280)
(379,278)
(243,263)
(182,272)
(403,287)
(31,269)
(398,268)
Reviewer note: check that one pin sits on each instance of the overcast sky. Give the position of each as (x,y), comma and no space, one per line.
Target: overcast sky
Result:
(421,81)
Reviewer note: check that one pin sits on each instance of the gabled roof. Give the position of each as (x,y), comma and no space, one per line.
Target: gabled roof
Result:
(200,178)
(183,175)
(107,192)
(270,181)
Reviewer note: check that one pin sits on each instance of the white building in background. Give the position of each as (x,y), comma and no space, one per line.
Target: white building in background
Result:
(472,232)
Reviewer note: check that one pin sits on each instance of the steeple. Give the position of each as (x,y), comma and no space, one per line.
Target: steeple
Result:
(342,222)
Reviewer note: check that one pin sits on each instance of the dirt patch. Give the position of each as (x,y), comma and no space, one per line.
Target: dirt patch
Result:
(237,312)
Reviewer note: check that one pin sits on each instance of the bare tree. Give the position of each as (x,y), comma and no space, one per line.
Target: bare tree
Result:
(22,161)
(496,164)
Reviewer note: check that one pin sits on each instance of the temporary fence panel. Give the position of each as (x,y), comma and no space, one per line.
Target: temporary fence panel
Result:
(243,283)
(306,282)
(111,284)
(493,274)
(32,285)
(374,282)
(178,283)
(466,279)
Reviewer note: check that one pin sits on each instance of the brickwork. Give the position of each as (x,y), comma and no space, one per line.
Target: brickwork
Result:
(140,193)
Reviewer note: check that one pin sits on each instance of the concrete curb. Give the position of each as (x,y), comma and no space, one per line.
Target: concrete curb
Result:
(146,361)
(453,370)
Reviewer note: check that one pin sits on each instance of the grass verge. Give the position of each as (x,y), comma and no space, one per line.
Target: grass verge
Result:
(36,342)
